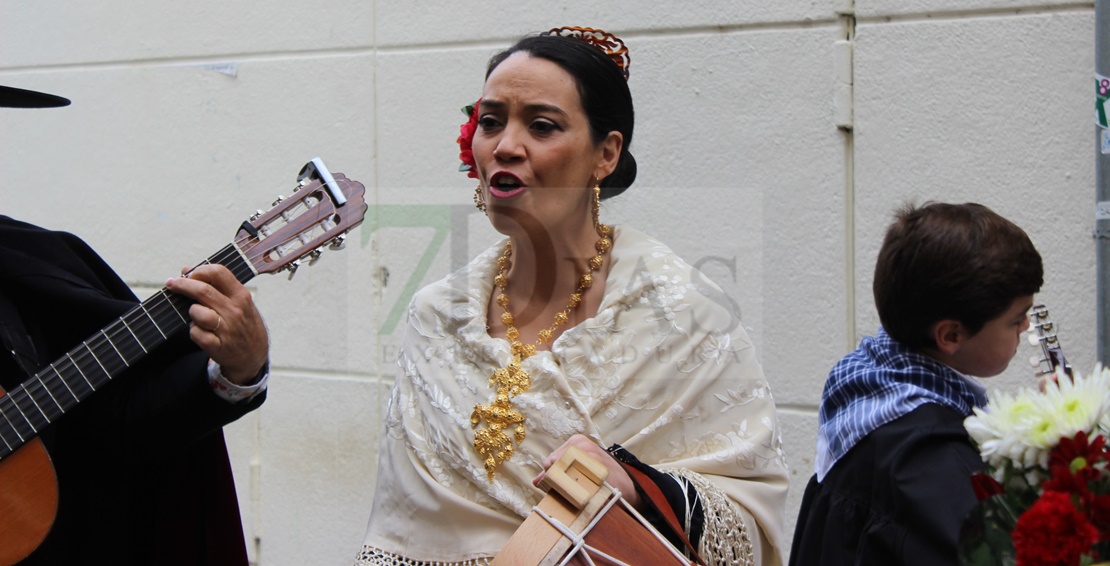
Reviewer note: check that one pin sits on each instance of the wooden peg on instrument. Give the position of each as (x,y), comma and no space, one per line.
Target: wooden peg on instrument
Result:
(578,487)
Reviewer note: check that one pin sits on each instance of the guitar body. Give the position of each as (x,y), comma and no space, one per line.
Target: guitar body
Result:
(28,500)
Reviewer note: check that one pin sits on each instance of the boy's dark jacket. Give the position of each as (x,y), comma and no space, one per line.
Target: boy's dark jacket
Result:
(899,496)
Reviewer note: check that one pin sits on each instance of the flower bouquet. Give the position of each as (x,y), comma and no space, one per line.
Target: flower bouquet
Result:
(1045,499)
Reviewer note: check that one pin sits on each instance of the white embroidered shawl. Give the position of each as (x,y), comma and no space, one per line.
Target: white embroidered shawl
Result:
(665,369)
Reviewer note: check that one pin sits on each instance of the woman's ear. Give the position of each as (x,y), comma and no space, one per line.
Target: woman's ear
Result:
(610,154)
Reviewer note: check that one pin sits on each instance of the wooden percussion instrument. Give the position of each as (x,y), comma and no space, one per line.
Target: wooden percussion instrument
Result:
(585,521)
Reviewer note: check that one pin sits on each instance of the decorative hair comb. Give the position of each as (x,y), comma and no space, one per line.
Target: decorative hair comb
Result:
(603,40)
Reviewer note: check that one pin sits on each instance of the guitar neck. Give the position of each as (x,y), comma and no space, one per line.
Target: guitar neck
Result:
(1043,333)
(55,389)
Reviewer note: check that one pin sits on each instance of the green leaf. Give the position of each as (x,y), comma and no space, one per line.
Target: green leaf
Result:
(985,536)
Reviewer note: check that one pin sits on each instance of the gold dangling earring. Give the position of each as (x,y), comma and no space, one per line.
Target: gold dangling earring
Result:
(479,203)
(597,208)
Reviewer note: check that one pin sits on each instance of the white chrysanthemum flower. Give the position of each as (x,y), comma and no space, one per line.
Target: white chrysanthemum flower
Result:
(1079,404)
(1038,433)
(1023,428)
(1000,428)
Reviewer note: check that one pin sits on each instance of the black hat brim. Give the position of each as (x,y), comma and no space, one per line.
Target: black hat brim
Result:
(19,98)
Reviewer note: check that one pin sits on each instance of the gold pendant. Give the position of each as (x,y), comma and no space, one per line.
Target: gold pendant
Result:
(493,442)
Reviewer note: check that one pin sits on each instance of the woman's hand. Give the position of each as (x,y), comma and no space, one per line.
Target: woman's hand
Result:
(226,324)
(618,478)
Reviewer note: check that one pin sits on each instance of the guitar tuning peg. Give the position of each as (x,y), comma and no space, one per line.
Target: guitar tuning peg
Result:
(1035,361)
(279,199)
(1034,339)
(339,242)
(257,214)
(292,267)
(314,255)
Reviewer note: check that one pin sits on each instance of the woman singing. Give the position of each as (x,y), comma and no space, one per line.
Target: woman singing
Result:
(570,332)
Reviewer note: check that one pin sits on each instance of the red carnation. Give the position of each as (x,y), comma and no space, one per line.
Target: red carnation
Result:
(1053,532)
(1069,450)
(466,140)
(1072,463)
(1064,480)
(1098,509)
(985,486)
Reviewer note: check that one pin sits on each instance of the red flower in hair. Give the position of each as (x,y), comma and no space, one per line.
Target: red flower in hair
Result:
(466,140)
(1053,532)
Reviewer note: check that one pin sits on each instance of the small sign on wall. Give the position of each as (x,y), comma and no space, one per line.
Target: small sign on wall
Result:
(1102,107)
(1102,210)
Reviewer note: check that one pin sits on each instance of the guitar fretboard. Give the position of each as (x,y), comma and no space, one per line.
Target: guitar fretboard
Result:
(55,389)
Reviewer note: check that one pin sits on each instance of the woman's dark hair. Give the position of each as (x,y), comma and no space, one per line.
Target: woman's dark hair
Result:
(602,88)
(951,261)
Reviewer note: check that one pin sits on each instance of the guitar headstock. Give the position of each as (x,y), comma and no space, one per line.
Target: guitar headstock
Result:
(321,210)
(1042,332)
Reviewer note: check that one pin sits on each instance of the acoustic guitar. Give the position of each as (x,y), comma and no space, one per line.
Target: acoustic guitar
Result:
(323,208)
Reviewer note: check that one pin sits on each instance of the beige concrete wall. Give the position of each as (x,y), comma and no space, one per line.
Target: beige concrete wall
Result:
(189,116)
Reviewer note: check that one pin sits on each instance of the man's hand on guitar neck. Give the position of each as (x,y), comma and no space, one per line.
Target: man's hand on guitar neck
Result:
(226,324)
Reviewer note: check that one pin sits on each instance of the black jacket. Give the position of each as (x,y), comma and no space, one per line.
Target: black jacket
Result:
(143,473)
(899,496)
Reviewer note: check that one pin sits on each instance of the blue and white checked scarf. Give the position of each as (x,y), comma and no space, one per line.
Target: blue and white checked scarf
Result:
(879,382)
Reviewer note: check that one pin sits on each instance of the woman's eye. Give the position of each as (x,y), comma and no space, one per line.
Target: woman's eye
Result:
(544,127)
(487,122)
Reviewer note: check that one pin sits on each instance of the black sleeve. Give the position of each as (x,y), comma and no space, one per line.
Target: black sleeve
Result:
(899,496)
(932,494)
(165,401)
(64,293)
(683,499)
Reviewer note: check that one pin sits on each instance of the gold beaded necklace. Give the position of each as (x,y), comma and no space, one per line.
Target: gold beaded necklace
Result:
(492,442)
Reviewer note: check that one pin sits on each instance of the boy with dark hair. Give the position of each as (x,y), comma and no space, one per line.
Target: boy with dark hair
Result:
(953,284)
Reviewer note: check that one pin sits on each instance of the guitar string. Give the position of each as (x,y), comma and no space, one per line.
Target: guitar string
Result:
(23,417)
(89,366)
(150,333)
(158,307)
(159,303)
